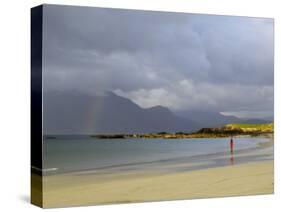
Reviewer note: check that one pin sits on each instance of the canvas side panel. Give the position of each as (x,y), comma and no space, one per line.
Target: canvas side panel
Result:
(36,105)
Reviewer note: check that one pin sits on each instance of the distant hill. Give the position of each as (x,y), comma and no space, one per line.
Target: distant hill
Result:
(66,113)
(255,121)
(215,119)
(76,113)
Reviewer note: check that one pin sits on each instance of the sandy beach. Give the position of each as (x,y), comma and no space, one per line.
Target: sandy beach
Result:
(90,189)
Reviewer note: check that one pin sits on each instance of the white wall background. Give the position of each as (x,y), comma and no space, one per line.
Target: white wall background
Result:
(15,102)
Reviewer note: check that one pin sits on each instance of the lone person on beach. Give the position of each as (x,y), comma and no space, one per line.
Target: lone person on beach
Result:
(231,143)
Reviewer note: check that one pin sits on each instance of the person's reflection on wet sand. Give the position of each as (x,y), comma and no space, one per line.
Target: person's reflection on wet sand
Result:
(231,159)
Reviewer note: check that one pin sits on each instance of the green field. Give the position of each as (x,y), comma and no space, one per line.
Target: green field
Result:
(253,127)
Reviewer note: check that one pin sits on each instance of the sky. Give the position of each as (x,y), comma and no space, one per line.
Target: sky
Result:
(178,60)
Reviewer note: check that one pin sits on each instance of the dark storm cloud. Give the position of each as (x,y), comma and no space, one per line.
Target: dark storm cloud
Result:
(178,60)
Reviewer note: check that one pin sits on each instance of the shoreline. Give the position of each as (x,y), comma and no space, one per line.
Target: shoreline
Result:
(166,136)
(228,130)
(231,180)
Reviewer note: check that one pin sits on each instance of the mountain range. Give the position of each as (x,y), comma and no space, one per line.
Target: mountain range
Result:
(76,113)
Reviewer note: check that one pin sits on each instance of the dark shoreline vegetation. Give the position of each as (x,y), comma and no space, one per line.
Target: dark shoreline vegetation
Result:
(228,130)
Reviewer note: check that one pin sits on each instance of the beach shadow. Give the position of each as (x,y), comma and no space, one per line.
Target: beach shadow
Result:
(24,198)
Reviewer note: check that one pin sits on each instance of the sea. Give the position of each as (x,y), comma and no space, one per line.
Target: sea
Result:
(66,154)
